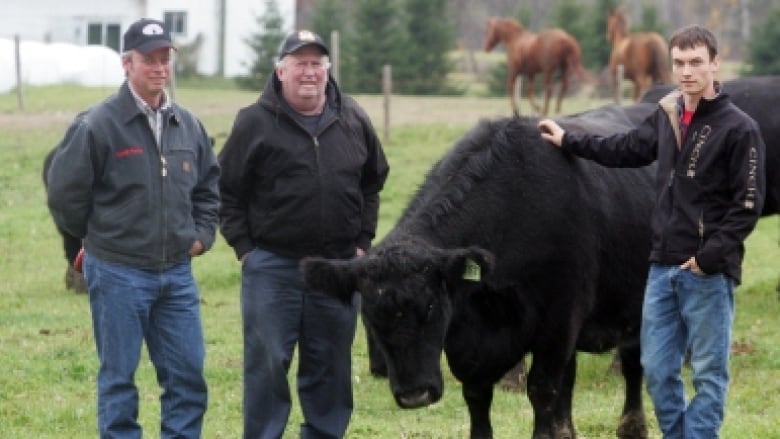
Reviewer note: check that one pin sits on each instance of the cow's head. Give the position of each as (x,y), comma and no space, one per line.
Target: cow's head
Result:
(408,292)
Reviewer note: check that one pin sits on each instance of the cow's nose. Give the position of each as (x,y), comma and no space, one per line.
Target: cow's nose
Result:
(417,399)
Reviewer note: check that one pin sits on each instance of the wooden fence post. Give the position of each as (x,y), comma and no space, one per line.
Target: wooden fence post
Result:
(18,56)
(335,56)
(387,91)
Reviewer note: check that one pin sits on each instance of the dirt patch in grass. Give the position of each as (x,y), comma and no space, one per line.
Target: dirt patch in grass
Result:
(404,110)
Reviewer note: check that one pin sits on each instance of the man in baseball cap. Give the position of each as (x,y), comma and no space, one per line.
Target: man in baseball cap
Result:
(272,216)
(147,157)
(299,39)
(147,35)
(146,58)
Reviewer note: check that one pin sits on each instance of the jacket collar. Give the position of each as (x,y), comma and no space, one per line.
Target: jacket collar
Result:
(129,106)
(673,104)
(272,94)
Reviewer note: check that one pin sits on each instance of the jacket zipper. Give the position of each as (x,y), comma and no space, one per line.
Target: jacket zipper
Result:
(164,175)
(316,150)
(701,229)
(316,141)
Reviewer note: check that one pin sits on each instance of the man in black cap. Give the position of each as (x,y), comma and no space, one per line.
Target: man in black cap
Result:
(135,177)
(302,171)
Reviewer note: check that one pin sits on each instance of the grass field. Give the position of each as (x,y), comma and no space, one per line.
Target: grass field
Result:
(47,354)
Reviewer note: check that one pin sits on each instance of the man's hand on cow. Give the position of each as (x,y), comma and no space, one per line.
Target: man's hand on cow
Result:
(196,249)
(551,131)
(359,252)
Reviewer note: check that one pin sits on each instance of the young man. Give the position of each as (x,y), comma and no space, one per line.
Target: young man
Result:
(303,169)
(135,177)
(710,191)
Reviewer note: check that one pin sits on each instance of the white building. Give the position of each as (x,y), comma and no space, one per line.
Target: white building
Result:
(222,25)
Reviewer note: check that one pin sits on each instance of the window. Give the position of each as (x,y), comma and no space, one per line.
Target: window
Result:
(104,34)
(95,33)
(112,36)
(176,22)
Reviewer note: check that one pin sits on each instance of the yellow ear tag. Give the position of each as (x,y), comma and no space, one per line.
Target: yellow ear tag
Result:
(472,271)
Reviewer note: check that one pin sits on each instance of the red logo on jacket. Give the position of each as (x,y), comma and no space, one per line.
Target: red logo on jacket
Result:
(130,150)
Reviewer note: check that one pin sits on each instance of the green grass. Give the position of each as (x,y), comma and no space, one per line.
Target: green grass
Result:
(48,358)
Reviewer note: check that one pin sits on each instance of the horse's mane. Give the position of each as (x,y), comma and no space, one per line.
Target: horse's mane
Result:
(472,159)
(619,24)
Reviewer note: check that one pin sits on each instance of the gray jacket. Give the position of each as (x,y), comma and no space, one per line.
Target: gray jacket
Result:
(133,203)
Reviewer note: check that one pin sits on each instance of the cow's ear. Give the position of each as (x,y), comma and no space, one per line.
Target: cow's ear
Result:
(333,277)
(472,264)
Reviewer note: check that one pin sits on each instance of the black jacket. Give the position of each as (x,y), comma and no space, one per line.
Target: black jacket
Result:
(295,194)
(710,191)
(106,184)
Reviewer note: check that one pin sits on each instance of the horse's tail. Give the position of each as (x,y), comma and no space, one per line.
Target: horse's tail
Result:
(574,67)
(660,60)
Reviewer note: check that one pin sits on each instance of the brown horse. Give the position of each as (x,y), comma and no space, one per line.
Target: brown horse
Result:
(644,55)
(528,54)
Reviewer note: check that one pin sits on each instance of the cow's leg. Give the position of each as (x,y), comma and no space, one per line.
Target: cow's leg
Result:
(632,421)
(564,427)
(550,383)
(479,397)
(376,359)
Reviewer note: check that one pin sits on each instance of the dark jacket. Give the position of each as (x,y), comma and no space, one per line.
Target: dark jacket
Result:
(710,191)
(106,184)
(297,194)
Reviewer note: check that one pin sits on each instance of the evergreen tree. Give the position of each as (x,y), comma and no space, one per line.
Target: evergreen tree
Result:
(327,16)
(650,22)
(426,65)
(377,40)
(265,45)
(567,17)
(595,46)
(763,56)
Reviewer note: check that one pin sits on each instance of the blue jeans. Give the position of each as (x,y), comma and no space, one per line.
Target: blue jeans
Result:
(130,306)
(681,310)
(278,313)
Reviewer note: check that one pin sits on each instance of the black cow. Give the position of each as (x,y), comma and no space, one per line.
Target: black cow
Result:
(509,247)
(71,244)
(758,97)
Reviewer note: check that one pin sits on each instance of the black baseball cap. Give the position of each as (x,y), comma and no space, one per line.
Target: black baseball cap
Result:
(300,38)
(146,35)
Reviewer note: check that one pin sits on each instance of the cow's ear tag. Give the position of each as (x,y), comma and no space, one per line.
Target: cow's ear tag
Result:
(472,271)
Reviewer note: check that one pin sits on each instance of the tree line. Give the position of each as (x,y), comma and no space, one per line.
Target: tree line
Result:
(416,36)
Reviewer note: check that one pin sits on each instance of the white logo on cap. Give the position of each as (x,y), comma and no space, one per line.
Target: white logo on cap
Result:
(152,29)
(306,35)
